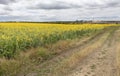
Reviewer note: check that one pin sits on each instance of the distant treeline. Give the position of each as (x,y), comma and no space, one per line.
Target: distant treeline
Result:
(68,22)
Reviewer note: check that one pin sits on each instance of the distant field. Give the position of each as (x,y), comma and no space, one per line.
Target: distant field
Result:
(15,37)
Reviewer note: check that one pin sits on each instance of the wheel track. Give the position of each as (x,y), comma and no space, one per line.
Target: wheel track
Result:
(49,65)
(104,67)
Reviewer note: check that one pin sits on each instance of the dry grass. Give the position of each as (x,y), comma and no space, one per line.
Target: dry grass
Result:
(9,67)
(71,61)
(118,60)
(27,60)
(118,53)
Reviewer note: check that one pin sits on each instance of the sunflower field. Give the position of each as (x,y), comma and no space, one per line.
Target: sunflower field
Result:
(16,37)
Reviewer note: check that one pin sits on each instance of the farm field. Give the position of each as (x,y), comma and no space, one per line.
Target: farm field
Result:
(20,36)
(46,49)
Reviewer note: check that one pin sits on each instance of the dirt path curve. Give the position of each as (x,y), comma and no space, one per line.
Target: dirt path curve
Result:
(101,62)
(94,57)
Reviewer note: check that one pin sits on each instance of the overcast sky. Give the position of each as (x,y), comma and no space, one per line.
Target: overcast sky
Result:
(57,10)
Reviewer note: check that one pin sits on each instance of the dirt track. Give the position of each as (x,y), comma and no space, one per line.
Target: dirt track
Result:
(95,56)
(101,62)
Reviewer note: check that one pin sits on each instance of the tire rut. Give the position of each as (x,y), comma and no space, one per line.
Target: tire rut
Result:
(46,68)
(100,62)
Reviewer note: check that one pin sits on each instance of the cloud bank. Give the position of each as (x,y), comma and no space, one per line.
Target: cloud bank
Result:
(56,10)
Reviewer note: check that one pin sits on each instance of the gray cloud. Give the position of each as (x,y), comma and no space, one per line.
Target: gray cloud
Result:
(57,5)
(4,13)
(27,18)
(6,1)
(109,4)
(7,8)
(54,5)
(113,4)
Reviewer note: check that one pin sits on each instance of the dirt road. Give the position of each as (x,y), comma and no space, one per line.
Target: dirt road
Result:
(101,62)
(95,56)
